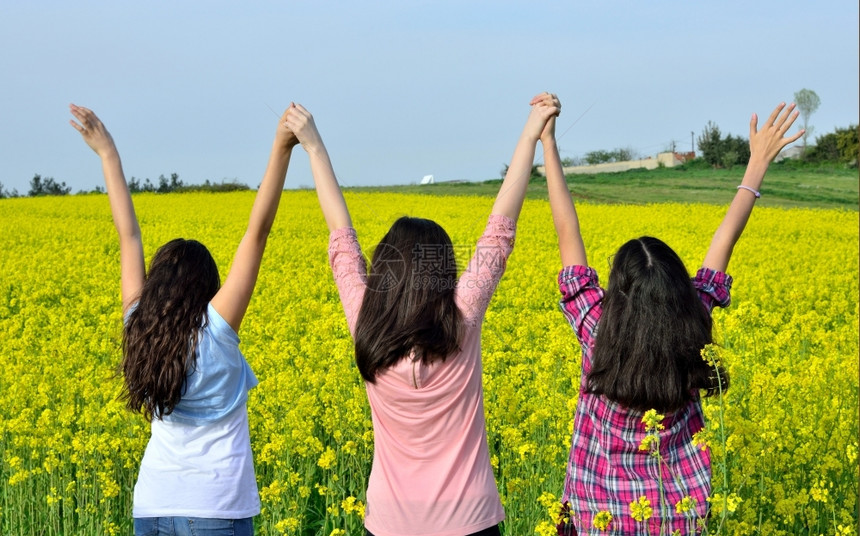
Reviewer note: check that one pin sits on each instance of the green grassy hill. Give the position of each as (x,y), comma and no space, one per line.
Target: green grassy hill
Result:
(786,185)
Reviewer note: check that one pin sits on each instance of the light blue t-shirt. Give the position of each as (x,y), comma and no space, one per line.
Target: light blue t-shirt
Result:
(219,379)
(198,461)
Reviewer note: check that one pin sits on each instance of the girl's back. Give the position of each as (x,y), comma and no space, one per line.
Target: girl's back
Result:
(431,462)
(417,346)
(608,468)
(629,471)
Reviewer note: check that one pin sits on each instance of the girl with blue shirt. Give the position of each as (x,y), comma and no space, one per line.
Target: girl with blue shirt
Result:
(181,361)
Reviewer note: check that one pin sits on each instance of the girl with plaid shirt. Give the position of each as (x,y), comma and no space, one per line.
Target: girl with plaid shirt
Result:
(653,322)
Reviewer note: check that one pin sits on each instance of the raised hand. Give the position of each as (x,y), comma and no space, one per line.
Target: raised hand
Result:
(545,108)
(766,143)
(509,200)
(132,270)
(332,203)
(233,297)
(548,134)
(284,136)
(301,122)
(92,130)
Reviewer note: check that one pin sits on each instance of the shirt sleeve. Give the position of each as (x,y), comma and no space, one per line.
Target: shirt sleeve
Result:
(350,272)
(581,301)
(477,284)
(713,288)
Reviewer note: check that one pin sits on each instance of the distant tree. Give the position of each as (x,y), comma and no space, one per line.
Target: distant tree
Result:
(597,157)
(848,142)
(739,148)
(842,145)
(709,143)
(232,185)
(722,152)
(97,189)
(624,154)
(47,186)
(729,159)
(534,173)
(167,186)
(825,149)
(807,102)
(174,184)
(621,154)
(4,193)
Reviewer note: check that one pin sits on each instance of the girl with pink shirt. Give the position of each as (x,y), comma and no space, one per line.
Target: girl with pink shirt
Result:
(417,333)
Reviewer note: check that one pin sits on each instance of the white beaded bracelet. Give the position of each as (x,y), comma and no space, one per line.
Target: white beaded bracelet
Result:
(755,192)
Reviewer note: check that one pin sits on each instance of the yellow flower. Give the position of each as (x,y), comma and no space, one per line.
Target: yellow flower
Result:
(287,525)
(602,519)
(547,499)
(545,528)
(711,354)
(685,505)
(732,502)
(327,459)
(649,442)
(52,498)
(652,420)
(819,492)
(641,510)
(845,530)
(851,453)
(701,439)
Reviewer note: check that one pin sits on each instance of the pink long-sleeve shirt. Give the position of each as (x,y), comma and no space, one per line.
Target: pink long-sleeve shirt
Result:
(431,470)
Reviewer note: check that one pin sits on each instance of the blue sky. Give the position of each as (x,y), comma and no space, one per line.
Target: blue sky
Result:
(401,89)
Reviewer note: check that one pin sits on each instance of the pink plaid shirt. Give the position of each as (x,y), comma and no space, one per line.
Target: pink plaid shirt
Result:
(606,470)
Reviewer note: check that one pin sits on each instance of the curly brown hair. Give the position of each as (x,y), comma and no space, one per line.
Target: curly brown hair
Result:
(161,333)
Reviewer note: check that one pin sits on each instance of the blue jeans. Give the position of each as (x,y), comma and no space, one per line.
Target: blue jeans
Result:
(192,526)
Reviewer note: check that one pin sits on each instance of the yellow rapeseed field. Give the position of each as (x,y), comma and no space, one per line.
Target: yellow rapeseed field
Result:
(785,457)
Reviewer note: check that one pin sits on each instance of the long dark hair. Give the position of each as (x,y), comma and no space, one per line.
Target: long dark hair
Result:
(647,352)
(160,337)
(409,302)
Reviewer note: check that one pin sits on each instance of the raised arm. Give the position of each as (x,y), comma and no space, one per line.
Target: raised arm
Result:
(570,244)
(509,200)
(132,270)
(232,299)
(765,144)
(328,191)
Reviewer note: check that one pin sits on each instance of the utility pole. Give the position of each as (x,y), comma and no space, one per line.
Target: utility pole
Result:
(692,144)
